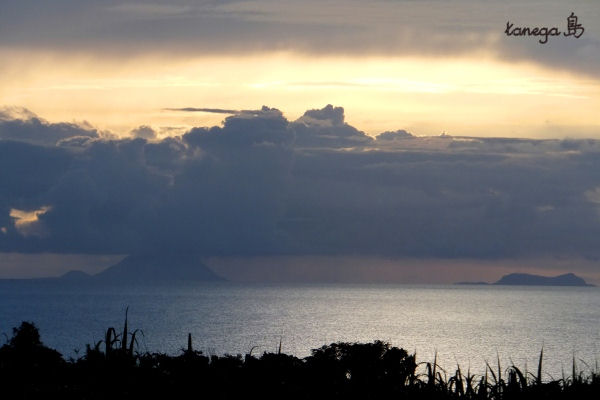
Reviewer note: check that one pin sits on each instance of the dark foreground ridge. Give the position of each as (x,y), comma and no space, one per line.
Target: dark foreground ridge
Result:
(114,369)
(516,279)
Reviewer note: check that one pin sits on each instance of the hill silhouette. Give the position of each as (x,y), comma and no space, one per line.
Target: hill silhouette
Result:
(569,279)
(518,279)
(158,268)
(144,269)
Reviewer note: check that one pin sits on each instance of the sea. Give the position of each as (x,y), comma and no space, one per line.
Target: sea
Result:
(466,326)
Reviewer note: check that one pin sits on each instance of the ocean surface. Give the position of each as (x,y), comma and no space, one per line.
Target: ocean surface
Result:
(466,325)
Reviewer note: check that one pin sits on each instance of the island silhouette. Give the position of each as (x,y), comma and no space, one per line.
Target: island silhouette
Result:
(520,279)
(158,268)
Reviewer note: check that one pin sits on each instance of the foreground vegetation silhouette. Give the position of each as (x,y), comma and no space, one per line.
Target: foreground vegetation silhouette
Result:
(112,368)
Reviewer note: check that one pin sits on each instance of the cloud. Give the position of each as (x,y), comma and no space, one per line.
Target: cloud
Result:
(150,11)
(28,223)
(254,128)
(143,132)
(326,128)
(394,28)
(395,135)
(22,125)
(327,116)
(264,111)
(207,110)
(264,186)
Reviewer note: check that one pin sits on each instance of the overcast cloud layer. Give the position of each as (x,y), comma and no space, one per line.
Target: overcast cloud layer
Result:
(359,27)
(263,185)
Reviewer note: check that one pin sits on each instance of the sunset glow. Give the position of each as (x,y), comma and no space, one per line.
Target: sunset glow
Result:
(462,96)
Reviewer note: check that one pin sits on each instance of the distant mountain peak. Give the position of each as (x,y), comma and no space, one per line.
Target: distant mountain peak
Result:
(75,275)
(158,268)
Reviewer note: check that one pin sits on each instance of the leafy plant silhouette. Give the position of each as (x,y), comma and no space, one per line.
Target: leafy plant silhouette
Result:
(113,368)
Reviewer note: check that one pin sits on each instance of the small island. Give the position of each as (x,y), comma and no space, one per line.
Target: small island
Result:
(518,279)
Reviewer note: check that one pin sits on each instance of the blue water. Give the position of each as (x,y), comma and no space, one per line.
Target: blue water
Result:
(464,324)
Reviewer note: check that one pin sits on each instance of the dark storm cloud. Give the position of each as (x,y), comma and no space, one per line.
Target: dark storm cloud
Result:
(262,185)
(445,204)
(389,28)
(216,190)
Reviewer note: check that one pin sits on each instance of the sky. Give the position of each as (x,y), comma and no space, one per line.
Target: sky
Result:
(424,65)
(278,136)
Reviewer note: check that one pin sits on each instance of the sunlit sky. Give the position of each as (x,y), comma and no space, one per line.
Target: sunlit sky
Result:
(461,95)
(118,65)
